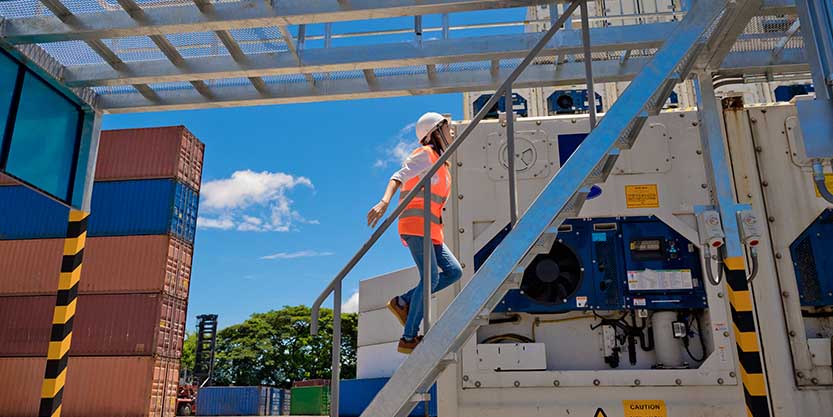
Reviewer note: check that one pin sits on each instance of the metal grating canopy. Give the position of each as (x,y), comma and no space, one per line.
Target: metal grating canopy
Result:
(143,55)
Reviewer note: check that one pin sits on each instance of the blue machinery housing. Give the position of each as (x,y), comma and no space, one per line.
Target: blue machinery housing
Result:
(43,139)
(519,105)
(595,265)
(571,102)
(813,263)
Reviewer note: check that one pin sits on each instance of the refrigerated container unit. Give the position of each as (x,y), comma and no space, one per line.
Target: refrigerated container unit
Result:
(119,208)
(126,386)
(104,325)
(122,264)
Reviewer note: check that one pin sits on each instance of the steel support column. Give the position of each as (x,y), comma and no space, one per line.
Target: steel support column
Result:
(719,173)
(61,337)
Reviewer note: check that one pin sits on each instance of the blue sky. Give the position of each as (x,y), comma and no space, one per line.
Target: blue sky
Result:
(327,162)
(286,189)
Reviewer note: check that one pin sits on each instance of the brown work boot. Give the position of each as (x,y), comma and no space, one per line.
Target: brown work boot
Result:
(401,313)
(408,346)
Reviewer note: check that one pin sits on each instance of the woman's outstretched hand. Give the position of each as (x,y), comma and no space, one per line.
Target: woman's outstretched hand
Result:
(376,213)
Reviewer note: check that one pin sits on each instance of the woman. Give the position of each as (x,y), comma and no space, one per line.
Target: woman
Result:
(434,134)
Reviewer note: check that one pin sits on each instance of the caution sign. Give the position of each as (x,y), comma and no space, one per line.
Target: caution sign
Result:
(828,180)
(600,413)
(644,408)
(642,196)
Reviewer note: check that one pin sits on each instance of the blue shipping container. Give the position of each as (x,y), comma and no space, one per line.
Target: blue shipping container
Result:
(356,395)
(233,401)
(119,208)
(279,404)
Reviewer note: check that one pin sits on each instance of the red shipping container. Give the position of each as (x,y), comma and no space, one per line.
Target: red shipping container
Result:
(95,386)
(123,264)
(311,383)
(157,152)
(106,325)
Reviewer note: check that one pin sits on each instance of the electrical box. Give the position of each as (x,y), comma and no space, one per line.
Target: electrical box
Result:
(512,356)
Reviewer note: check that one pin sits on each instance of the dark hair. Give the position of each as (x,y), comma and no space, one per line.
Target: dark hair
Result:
(436,141)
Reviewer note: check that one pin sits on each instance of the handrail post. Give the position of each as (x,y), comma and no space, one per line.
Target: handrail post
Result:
(509,108)
(335,376)
(588,63)
(427,247)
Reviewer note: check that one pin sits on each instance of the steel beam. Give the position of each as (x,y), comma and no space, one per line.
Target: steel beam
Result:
(233,15)
(367,56)
(440,82)
(389,86)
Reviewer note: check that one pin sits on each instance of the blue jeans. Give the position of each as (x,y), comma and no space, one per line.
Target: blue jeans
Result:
(442,258)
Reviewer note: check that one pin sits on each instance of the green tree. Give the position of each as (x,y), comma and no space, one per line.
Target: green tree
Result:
(276,348)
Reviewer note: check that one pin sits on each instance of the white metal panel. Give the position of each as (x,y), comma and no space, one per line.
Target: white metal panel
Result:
(754,146)
(512,356)
(820,350)
(378,326)
(374,293)
(378,361)
(792,204)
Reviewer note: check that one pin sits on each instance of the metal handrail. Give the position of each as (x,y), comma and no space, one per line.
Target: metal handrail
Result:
(423,186)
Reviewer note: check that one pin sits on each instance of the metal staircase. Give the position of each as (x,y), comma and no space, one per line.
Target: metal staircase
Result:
(696,44)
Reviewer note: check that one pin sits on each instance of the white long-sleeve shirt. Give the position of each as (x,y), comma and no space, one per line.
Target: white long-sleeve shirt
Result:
(416,164)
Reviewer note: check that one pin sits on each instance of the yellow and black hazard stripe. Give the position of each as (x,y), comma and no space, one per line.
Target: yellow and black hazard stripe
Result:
(746,338)
(61,338)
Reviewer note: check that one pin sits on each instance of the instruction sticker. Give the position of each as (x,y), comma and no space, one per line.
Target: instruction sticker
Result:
(644,408)
(581,301)
(642,196)
(828,180)
(665,279)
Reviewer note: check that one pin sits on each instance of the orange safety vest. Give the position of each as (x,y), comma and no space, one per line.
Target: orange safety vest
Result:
(411,220)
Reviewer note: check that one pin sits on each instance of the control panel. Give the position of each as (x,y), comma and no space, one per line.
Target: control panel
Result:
(609,264)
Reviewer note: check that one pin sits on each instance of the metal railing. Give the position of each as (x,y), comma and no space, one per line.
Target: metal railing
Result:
(424,186)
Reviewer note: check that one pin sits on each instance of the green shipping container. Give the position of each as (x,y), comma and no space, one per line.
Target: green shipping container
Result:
(310,401)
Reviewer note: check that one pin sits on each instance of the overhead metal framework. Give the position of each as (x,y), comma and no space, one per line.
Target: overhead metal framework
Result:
(149,55)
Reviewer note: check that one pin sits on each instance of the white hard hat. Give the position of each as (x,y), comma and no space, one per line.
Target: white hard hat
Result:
(427,123)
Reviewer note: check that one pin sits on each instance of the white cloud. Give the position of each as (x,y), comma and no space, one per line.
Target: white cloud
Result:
(252,202)
(352,304)
(298,254)
(220,223)
(398,148)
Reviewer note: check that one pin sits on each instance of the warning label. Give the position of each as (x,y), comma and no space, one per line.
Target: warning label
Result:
(828,180)
(644,408)
(668,279)
(600,413)
(642,196)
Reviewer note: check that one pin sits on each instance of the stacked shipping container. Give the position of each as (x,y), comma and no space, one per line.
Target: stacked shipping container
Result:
(131,309)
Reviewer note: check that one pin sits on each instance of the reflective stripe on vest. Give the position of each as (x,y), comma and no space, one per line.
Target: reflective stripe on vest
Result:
(421,214)
(434,198)
(411,220)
